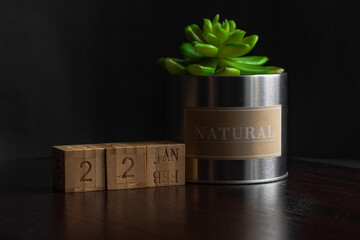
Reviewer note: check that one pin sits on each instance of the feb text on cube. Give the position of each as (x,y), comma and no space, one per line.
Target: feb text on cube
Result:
(165,163)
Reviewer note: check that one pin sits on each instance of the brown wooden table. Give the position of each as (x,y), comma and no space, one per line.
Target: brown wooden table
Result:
(317,201)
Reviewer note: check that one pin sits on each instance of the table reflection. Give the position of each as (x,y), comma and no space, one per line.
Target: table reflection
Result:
(222,211)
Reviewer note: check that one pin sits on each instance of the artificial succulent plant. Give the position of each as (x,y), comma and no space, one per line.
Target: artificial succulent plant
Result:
(217,49)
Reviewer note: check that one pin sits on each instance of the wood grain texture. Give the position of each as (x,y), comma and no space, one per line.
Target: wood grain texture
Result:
(317,201)
(144,164)
(78,168)
(125,165)
(165,163)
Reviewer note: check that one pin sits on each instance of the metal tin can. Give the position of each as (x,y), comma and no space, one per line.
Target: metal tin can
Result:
(234,127)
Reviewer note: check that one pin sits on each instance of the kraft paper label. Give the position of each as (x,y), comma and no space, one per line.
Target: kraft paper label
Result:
(233,133)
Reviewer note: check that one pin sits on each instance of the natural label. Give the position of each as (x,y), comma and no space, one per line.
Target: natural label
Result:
(233,133)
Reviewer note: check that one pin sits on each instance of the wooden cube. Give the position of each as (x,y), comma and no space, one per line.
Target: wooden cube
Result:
(125,165)
(165,163)
(78,168)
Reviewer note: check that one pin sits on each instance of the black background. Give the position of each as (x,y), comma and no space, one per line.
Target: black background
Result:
(85,71)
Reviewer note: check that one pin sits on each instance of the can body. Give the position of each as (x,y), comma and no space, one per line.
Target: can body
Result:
(234,127)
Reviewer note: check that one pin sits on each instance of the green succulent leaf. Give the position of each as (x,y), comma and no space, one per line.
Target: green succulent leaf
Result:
(190,35)
(188,51)
(216,27)
(251,69)
(207,27)
(194,33)
(251,40)
(186,62)
(227,71)
(237,36)
(206,50)
(225,25)
(230,50)
(252,60)
(215,21)
(210,62)
(222,35)
(211,39)
(174,67)
(232,25)
(197,69)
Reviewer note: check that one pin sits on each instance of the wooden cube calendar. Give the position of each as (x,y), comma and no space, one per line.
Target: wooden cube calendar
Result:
(79,168)
(165,163)
(125,165)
